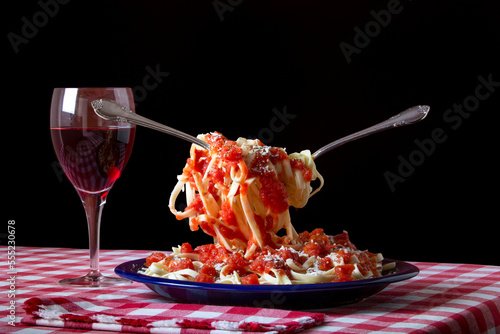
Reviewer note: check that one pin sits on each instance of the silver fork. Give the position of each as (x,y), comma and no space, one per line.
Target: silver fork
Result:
(113,111)
(409,116)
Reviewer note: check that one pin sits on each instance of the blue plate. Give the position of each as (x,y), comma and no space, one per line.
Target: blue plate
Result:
(303,296)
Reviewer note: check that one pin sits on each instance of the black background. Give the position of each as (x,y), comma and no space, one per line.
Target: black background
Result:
(227,71)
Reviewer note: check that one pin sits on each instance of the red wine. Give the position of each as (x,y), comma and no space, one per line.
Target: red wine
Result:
(93,158)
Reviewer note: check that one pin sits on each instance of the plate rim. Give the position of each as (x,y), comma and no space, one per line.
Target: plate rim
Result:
(404,271)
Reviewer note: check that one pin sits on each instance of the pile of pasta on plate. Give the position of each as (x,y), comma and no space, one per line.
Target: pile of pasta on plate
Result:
(239,192)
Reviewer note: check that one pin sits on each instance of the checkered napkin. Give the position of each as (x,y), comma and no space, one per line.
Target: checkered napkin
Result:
(137,317)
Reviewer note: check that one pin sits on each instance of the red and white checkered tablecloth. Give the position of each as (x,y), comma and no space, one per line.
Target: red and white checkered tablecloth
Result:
(443,298)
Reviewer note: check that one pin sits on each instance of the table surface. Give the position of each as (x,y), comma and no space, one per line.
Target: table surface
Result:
(443,298)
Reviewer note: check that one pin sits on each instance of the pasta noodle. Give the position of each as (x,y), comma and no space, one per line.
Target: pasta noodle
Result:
(239,192)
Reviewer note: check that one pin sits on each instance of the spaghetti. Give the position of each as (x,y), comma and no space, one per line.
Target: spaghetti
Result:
(239,192)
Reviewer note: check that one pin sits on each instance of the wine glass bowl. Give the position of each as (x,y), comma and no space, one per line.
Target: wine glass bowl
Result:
(93,153)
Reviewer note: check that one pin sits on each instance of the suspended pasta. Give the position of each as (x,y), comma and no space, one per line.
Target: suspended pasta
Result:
(239,192)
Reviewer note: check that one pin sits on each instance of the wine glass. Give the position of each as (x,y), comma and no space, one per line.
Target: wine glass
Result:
(92,153)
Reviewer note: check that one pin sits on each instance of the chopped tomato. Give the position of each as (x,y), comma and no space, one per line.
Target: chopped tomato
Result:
(343,239)
(273,193)
(319,236)
(231,151)
(209,270)
(251,279)
(211,254)
(366,265)
(227,149)
(261,264)
(344,272)
(312,249)
(186,248)
(227,214)
(204,278)
(344,255)
(155,257)
(325,264)
(304,236)
(236,262)
(180,264)
(316,243)
(286,254)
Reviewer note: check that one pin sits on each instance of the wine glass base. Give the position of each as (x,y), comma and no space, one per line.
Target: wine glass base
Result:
(99,281)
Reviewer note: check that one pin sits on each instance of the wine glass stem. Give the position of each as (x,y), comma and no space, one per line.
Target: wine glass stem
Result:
(94,204)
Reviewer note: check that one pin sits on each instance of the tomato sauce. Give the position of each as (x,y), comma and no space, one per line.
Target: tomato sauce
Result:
(186,248)
(154,257)
(325,264)
(264,263)
(227,149)
(179,264)
(344,272)
(196,204)
(316,243)
(206,226)
(217,174)
(236,262)
(329,255)
(273,194)
(210,254)
(306,171)
(207,274)
(204,278)
(227,215)
(272,191)
(267,167)
(251,279)
(230,233)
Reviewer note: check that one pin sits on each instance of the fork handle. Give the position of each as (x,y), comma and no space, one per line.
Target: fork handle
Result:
(409,116)
(112,110)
